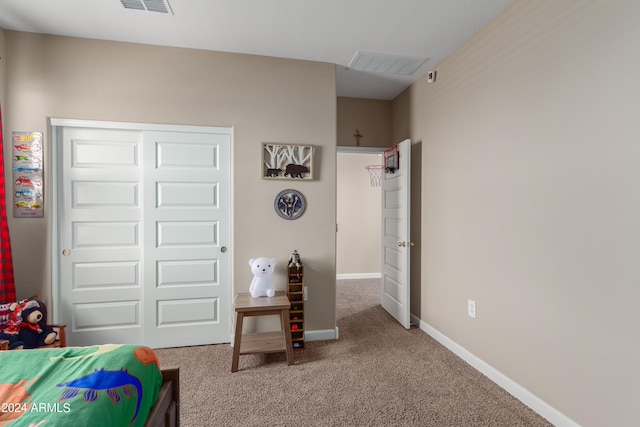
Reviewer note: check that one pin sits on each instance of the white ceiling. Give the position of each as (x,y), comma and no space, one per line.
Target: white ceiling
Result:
(326,30)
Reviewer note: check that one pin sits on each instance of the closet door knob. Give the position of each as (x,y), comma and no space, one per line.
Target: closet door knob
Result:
(66,252)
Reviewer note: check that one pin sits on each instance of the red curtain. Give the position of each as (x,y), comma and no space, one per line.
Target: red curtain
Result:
(7,285)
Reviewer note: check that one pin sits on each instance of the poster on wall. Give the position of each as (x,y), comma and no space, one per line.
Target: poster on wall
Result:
(287,161)
(28,197)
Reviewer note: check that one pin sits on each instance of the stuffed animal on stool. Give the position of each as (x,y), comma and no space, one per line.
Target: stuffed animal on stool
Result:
(262,284)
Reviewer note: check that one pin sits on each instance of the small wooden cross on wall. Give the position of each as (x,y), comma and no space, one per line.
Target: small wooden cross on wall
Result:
(357,136)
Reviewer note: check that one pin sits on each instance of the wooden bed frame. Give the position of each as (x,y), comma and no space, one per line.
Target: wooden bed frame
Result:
(166,411)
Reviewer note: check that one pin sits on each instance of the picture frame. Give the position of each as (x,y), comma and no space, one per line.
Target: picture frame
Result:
(287,161)
(28,176)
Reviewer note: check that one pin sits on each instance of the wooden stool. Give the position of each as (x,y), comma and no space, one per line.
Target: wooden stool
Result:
(262,342)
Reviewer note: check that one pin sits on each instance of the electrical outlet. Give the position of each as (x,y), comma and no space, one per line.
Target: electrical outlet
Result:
(471,308)
(305,293)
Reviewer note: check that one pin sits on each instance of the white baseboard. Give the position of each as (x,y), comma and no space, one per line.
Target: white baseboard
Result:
(349,276)
(322,335)
(545,410)
(415,320)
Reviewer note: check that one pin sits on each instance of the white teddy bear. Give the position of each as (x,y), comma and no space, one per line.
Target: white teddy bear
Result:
(262,284)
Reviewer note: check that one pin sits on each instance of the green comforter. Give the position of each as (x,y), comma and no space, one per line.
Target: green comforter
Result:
(107,385)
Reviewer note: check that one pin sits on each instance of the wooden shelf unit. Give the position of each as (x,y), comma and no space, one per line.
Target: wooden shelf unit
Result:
(295,292)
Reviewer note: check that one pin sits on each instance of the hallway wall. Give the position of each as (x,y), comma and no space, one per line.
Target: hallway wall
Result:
(358,214)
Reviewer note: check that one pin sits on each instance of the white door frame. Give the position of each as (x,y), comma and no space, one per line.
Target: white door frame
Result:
(55,126)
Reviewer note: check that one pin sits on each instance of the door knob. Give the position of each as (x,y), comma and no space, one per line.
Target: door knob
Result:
(66,252)
(223,249)
(406,244)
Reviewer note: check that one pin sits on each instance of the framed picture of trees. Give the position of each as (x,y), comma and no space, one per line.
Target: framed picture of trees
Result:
(287,161)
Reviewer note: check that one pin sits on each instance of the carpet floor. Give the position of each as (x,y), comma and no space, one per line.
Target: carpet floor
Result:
(376,374)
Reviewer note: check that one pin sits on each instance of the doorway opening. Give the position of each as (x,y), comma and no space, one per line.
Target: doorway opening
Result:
(390,212)
(358,214)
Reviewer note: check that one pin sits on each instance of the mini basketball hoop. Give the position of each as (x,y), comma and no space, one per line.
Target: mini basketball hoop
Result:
(375,174)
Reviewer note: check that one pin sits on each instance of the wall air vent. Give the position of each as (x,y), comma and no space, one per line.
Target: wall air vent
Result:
(384,63)
(161,6)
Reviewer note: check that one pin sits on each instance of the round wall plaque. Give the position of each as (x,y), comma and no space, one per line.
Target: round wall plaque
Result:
(289,204)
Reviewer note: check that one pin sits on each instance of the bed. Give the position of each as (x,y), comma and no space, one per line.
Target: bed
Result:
(110,385)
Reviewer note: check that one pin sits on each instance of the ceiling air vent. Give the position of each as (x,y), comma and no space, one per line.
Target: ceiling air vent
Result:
(161,6)
(384,63)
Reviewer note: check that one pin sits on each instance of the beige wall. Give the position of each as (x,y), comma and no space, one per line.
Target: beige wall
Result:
(530,201)
(370,116)
(2,65)
(359,212)
(263,99)
(3,61)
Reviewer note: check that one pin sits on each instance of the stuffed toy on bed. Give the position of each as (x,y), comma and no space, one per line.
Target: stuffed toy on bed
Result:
(26,326)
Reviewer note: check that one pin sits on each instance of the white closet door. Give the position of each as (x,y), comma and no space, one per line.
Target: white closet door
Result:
(187,233)
(142,219)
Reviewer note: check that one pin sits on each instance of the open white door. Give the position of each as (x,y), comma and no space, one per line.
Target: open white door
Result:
(396,236)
